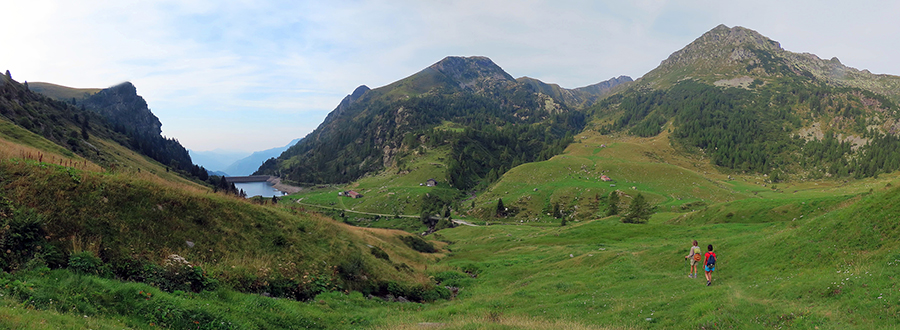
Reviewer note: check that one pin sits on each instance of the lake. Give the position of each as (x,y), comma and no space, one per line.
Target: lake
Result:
(261,188)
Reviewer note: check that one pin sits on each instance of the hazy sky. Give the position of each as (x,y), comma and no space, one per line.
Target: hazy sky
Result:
(252,75)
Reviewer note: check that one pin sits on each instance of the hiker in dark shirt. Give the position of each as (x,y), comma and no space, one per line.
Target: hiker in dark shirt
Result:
(709,265)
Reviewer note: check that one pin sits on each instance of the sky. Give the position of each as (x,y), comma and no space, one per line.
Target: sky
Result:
(253,75)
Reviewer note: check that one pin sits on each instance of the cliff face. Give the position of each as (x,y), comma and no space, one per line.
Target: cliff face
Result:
(124,108)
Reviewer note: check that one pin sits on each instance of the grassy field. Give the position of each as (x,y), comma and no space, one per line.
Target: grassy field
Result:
(388,194)
(62,93)
(834,268)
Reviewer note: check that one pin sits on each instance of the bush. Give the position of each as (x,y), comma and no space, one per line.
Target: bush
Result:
(85,262)
(452,278)
(443,224)
(379,253)
(176,274)
(21,236)
(418,244)
(415,292)
(471,269)
(352,268)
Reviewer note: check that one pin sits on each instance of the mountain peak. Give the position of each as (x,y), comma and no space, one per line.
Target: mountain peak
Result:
(121,105)
(721,43)
(468,71)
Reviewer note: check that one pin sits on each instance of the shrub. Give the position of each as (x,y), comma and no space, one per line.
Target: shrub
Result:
(21,236)
(415,292)
(443,224)
(471,269)
(452,278)
(352,268)
(379,253)
(418,244)
(85,262)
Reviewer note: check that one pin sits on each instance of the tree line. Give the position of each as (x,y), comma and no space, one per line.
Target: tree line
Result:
(754,130)
(494,134)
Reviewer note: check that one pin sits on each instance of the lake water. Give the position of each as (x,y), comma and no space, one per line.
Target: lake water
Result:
(258,189)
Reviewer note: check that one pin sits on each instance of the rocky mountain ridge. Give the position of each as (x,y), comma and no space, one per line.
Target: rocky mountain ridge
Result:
(727,53)
(367,131)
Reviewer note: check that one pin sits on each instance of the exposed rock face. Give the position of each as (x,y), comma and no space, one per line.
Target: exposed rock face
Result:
(604,87)
(471,72)
(719,43)
(122,106)
(573,97)
(725,52)
(346,102)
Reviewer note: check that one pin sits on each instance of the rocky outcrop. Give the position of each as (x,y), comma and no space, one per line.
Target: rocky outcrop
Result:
(346,102)
(124,108)
(604,87)
(475,72)
(573,98)
(726,53)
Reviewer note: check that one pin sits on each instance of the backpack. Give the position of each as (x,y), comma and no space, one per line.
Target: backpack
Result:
(711,261)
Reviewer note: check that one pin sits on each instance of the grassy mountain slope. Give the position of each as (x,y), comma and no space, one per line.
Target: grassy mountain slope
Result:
(499,123)
(62,93)
(131,219)
(828,269)
(87,134)
(135,224)
(752,107)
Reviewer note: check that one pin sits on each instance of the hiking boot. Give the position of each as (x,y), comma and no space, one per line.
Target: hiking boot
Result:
(708,283)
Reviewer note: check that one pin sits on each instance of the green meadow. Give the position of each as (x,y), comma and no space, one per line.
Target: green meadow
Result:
(834,268)
(818,254)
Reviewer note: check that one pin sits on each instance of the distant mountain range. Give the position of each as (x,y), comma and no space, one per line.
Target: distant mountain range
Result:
(249,164)
(234,163)
(216,160)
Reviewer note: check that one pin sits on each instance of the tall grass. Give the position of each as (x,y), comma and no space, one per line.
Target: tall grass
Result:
(10,150)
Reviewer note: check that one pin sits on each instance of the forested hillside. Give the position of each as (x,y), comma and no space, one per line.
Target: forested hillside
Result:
(492,122)
(773,117)
(117,113)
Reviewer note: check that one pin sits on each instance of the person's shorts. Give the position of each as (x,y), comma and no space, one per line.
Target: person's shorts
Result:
(709,269)
(693,262)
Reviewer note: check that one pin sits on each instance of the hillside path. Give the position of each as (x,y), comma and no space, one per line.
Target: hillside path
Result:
(459,222)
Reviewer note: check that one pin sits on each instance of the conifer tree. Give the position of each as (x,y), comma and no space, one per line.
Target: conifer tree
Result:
(638,212)
(84,128)
(501,210)
(612,203)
